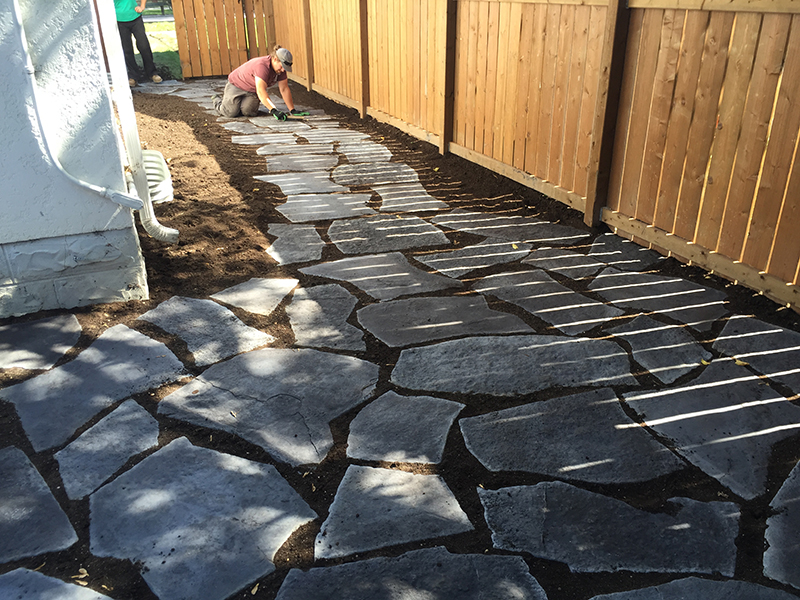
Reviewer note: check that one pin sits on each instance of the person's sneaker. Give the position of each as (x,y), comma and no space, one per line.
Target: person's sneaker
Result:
(132,82)
(156,78)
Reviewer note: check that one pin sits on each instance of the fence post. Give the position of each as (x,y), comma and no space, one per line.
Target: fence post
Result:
(448,106)
(364,49)
(605,112)
(272,37)
(250,25)
(309,43)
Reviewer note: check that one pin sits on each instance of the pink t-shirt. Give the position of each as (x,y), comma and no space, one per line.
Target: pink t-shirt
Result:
(244,77)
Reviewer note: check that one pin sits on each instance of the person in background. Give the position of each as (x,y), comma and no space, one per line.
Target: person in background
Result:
(130,23)
(247,86)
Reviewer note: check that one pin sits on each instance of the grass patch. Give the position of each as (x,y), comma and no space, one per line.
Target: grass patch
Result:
(165,49)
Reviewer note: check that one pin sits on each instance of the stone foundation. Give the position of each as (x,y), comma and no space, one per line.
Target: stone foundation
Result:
(71,271)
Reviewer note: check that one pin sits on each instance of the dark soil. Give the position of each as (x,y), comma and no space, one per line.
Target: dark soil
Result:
(223,214)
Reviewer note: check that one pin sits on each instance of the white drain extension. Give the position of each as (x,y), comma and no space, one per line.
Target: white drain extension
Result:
(127,117)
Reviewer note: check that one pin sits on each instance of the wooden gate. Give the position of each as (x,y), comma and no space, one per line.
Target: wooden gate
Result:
(216,36)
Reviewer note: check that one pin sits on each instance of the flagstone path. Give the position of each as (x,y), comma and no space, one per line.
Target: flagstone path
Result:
(609,420)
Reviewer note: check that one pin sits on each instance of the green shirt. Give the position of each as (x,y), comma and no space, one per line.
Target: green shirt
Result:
(125,10)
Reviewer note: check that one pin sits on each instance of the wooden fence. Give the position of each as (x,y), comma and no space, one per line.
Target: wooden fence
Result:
(705,139)
(706,142)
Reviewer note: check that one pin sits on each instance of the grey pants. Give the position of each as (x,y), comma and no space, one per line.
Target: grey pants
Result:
(236,102)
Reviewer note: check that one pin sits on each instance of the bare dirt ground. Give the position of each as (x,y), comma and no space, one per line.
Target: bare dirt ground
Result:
(223,214)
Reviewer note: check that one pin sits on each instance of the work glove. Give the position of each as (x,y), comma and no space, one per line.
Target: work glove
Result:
(281,116)
(299,113)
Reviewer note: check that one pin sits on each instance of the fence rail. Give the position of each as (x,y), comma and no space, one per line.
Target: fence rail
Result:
(700,148)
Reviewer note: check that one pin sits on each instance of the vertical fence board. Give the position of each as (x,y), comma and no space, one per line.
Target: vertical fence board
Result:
(469,87)
(491,78)
(510,88)
(213,37)
(703,125)
(737,79)
(241,35)
(640,110)
(534,87)
(182,37)
(548,87)
(755,125)
(524,65)
(563,64)
(223,45)
(660,105)
(775,170)
(575,95)
(620,153)
(589,98)
(785,260)
(675,145)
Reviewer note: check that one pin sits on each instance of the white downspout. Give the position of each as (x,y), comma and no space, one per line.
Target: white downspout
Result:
(127,118)
(121,198)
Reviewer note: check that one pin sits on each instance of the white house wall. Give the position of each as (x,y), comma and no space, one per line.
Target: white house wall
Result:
(61,245)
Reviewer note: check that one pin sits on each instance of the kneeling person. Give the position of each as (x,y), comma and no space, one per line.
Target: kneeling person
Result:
(247,86)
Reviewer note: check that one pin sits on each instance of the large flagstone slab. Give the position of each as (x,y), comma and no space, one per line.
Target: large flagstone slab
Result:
(304,183)
(623,254)
(242,127)
(323,207)
(516,228)
(428,574)
(301,162)
(274,124)
(382,276)
(295,243)
(264,138)
(211,332)
(782,556)
(332,134)
(364,151)
(397,428)
(725,422)
(318,316)
(121,362)
(418,320)
(280,400)
(37,344)
(487,253)
(769,349)
(592,533)
(105,447)
(512,365)
(540,295)
(583,437)
(383,233)
(201,523)
(374,173)
(259,296)
(666,351)
(24,584)
(696,305)
(31,521)
(377,508)
(275,149)
(564,262)
(406,197)
(694,587)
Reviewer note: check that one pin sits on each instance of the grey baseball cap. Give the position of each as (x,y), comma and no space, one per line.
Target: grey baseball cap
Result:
(285,57)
